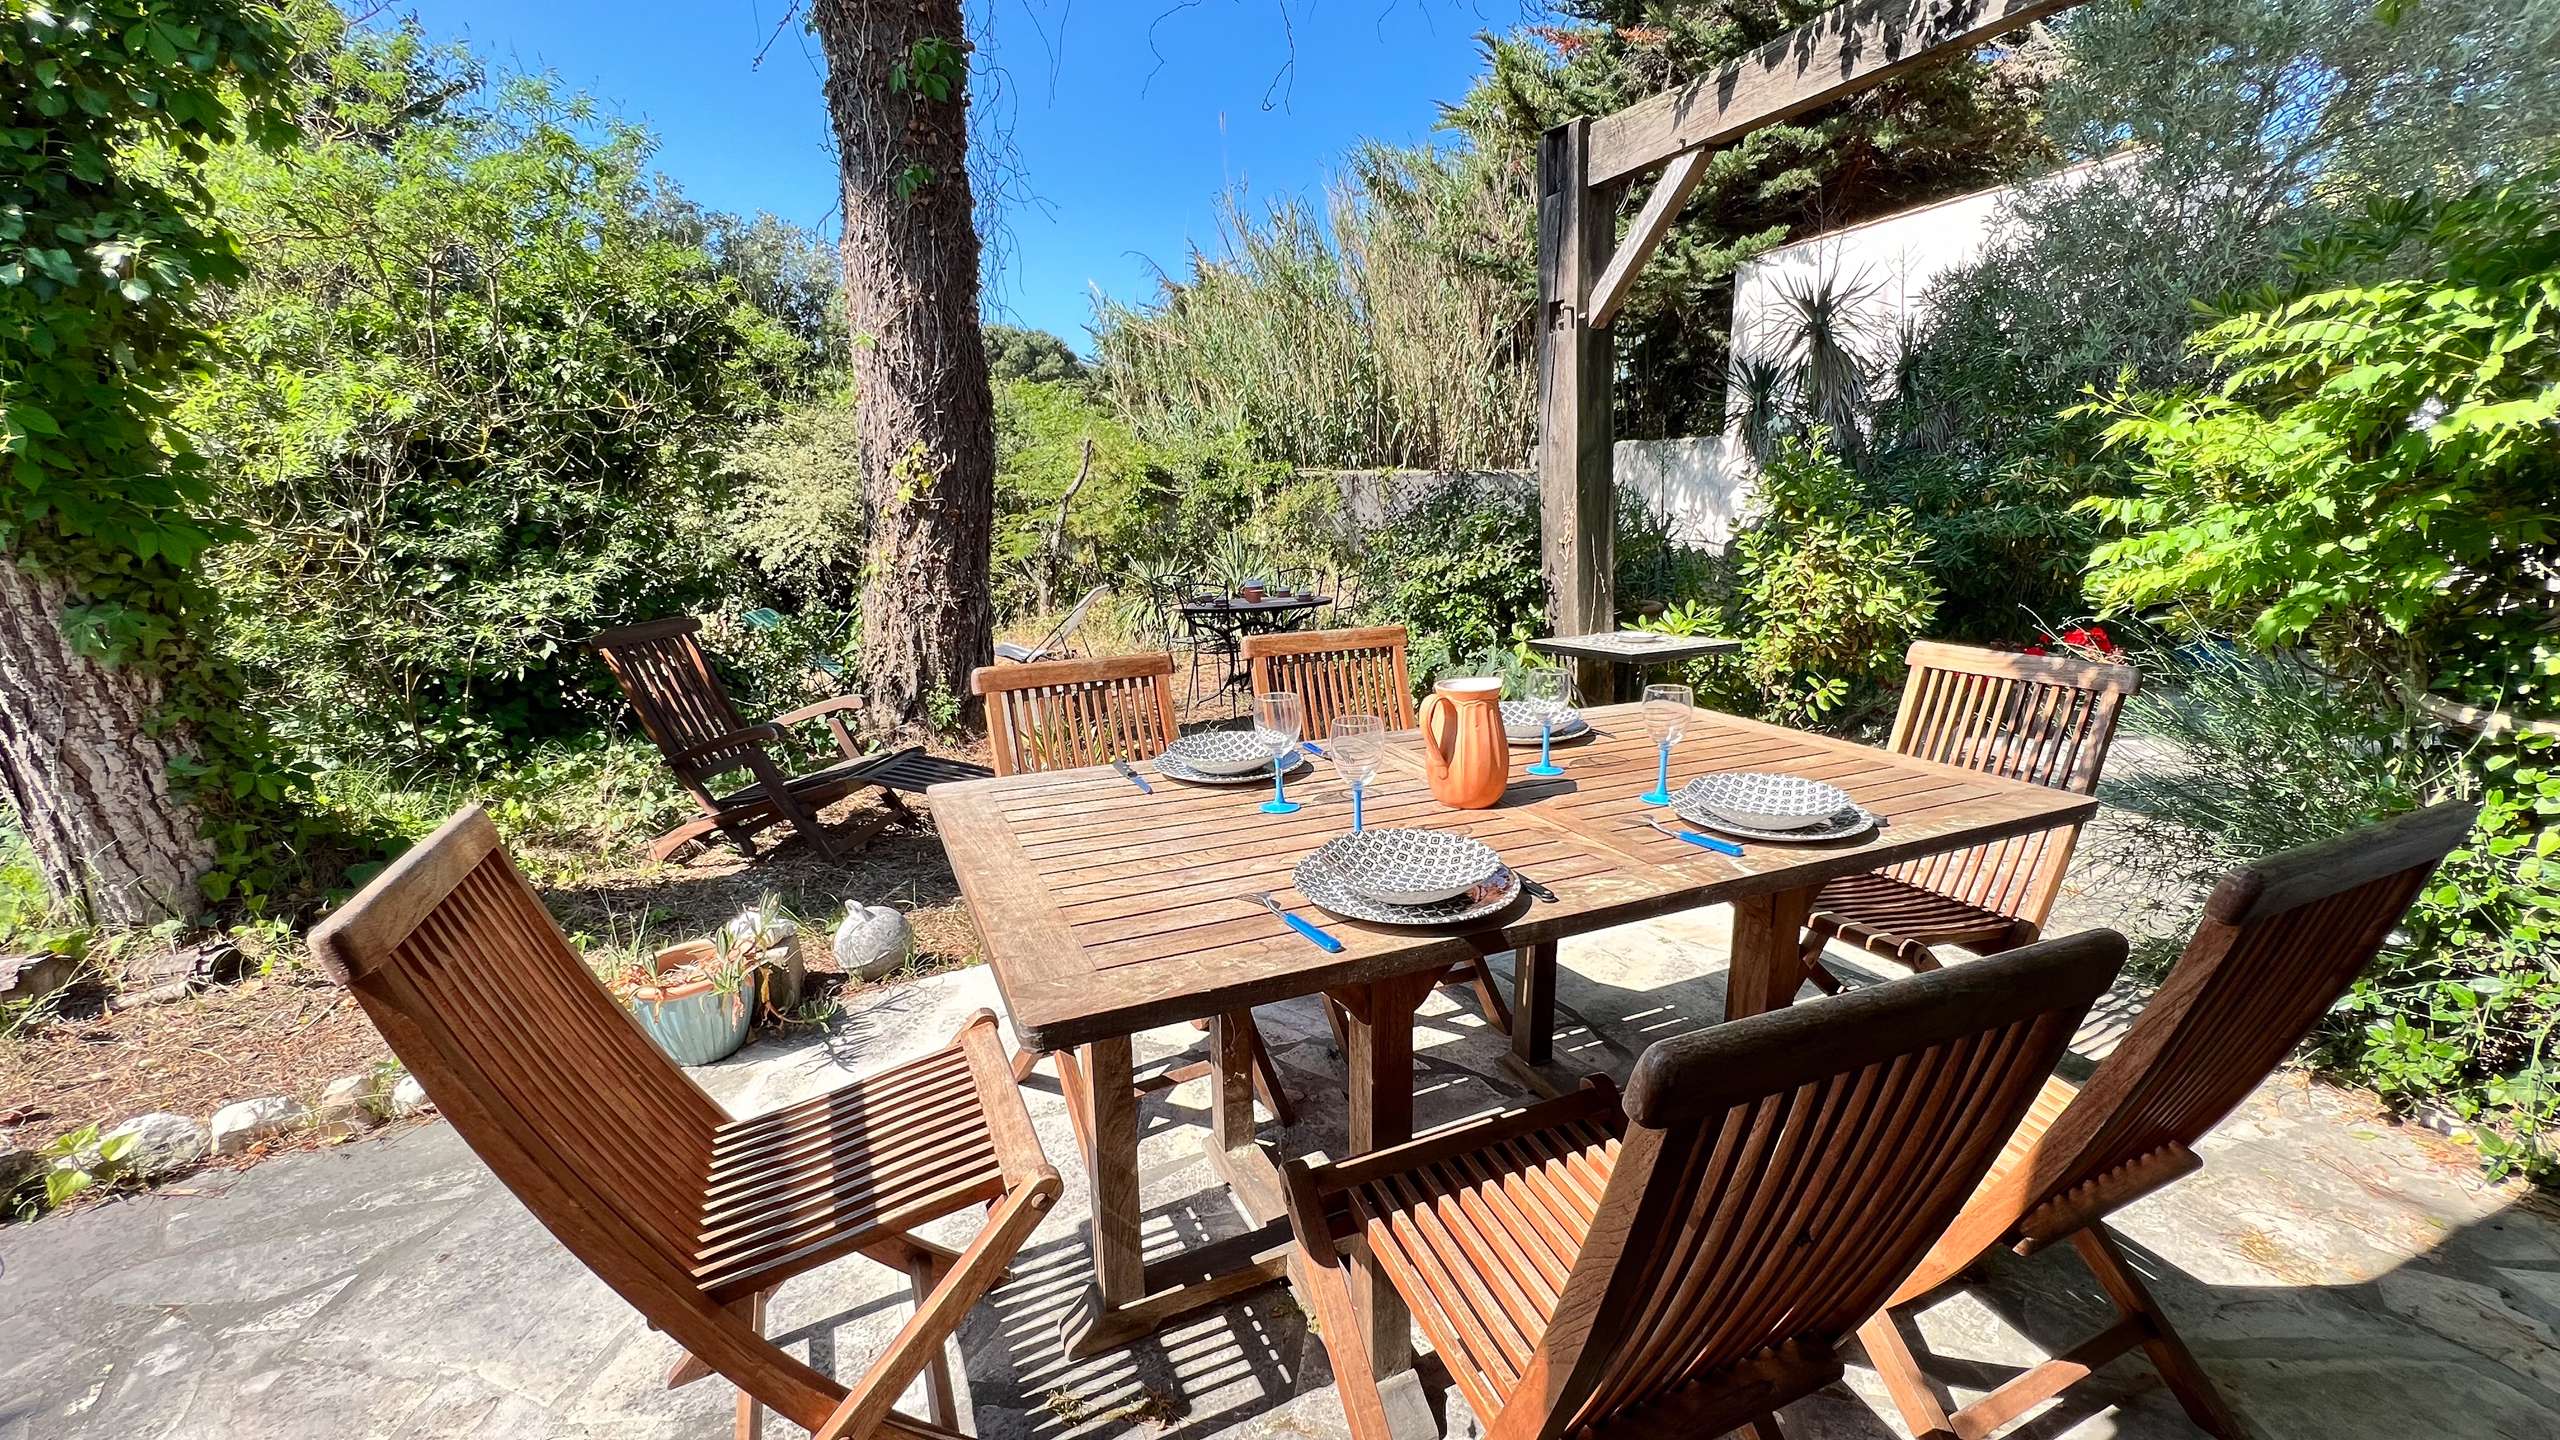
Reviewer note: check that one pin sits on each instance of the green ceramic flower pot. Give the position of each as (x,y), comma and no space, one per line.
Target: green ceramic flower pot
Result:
(694,1023)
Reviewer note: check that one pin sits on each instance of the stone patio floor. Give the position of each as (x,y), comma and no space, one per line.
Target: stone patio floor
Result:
(2341,1277)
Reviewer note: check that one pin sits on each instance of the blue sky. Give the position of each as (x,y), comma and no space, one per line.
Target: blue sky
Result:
(1129,116)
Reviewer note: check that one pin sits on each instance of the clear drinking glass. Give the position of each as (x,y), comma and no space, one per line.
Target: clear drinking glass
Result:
(1357,744)
(1550,695)
(1278,717)
(1666,719)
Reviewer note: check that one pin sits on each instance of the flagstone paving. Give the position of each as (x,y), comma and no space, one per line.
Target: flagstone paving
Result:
(2341,1276)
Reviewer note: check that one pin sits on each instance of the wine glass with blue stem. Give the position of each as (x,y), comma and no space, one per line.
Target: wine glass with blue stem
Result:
(1549,692)
(1277,718)
(1666,719)
(1356,745)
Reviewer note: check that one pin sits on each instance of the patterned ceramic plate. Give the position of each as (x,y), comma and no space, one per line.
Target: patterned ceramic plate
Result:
(1172,767)
(1520,722)
(1410,867)
(1848,822)
(1225,752)
(1319,881)
(1765,801)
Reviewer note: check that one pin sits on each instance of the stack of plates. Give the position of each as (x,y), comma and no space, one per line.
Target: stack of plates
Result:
(1758,805)
(1226,757)
(1520,723)
(1407,877)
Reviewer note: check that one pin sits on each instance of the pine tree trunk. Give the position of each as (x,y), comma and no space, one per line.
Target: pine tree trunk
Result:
(922,410)
(89,779)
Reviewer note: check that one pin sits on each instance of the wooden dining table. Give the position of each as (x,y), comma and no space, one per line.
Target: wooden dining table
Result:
(1104,911)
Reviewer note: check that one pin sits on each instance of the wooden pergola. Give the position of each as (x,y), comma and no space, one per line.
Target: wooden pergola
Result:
(1585,269)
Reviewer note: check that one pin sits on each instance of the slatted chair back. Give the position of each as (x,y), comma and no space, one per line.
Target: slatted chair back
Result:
(1059,714)
(662,670)
(547,1078)
(1336,672)
(2044,719)
(1778,1175)
(2281,940)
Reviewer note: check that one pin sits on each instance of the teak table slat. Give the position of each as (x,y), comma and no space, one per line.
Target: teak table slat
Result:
(1104,911)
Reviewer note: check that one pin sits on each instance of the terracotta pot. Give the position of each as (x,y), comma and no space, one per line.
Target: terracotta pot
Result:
(694,1023)
(1250,592)
(1464,752)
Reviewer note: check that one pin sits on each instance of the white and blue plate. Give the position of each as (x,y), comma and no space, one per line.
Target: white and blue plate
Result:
(1174,767)
(1410,867)
(1225,752)
(1322,881)
(1520,723)
(1764,800)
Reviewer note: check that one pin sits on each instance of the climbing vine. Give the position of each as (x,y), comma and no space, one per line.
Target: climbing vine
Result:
(107,247)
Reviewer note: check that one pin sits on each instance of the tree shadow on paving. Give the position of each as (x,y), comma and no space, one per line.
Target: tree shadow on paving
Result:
(1196,1376)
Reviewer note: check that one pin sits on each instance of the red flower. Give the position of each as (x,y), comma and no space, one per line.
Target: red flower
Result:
(2032,650)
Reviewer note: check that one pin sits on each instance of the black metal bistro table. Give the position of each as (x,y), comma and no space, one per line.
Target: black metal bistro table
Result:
(1218,622)
(1628,652)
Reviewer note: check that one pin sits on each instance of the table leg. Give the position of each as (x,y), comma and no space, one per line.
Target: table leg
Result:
(1234,1153)
(1129,1297)
(1379,1056)
(1111,1171)
(1768,969)
(1533,1022)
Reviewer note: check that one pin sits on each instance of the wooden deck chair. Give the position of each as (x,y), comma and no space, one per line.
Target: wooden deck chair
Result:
(1357,672)
(1689,1266)
(692,1217)
(1062,714)
(2280,941)
(663,672)
(1060,642)
(2044,719)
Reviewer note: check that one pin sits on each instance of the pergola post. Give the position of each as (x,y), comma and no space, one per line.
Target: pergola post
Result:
(1577,225)
(1585,272)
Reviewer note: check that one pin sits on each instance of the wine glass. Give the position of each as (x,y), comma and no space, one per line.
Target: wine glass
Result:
(1277,717)
(1356,745)
(1550,695)
(1666,719)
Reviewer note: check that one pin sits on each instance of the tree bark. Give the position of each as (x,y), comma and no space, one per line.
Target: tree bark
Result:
(922,408)
(85,769)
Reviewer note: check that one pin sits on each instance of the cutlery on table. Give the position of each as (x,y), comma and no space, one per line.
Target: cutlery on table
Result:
(1303,927)
(1703,842)
(1311,748)
(1133,777)
(1536,890)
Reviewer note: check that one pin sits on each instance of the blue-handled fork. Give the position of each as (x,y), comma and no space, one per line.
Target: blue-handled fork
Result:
(1304,927)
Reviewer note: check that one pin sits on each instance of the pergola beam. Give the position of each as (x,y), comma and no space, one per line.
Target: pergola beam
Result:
(1827,59)
(1651,224)
(1585,274)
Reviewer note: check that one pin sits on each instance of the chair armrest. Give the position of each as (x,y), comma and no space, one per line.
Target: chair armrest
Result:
(825,707)
(1597,1099)
(754,738)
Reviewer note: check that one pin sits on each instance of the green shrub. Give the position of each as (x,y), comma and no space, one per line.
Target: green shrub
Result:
(794,514)
(2266,754)
(470,400)
(1459,570)
(1831,590)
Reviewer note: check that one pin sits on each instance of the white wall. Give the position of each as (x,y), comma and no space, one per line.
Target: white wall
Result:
(1705,481)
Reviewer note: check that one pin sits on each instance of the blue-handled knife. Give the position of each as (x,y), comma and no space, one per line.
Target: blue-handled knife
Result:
(1322,940)
(1703,842)
(1310,747)
(1133,777)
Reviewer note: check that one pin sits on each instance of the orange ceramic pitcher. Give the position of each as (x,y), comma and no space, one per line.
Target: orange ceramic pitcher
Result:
(1464,752)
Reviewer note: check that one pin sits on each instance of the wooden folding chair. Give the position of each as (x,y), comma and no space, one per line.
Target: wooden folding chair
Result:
(663,672)
(1062,714)
(1689,1266)
(2280,941)
(1060,642)
(692,1217)
(1357,672)
(2046,719)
